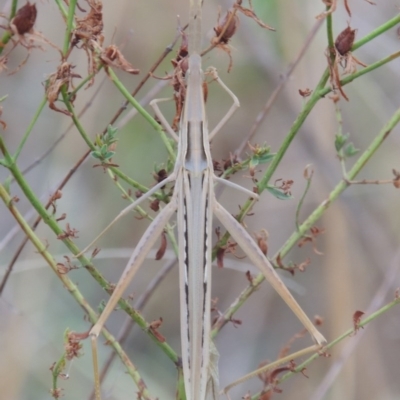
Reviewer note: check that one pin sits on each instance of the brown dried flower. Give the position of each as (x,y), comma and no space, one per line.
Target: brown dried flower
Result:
(24,19)
(63,76)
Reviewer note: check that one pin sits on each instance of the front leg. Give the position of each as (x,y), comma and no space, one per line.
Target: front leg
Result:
(213,72)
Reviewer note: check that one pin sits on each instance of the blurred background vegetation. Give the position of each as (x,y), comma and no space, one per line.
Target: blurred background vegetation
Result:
(362,229)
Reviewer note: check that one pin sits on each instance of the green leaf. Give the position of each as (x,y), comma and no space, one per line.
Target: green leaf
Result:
(350,150)
(111,131)
(340,141)
(96,154)
(98,142)
(108,155)
(101,306)
(253,162)
(264,158)
(278,193)
(103,149)
(7,184)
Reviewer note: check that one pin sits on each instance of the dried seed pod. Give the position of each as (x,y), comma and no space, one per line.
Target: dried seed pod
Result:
(344,41)
(223,31)
(24,18)
(155,205)
(163,247)
(112,56)
(262,241)
(160,175)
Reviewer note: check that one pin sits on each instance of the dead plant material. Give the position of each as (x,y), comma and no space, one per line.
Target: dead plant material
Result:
(396,180)
(332,4)
(285,186)
(312,238)
(111,56)
(155,205)
(153,328)
(181,65)
(341,55)
(56,393)
(68,233)
(161,175)
(262,240)
(356,320)
(62,77)
(88,35)
(292,267)
(230,247)
(24,19)
(177,78)
(72,346)
(231,161)
(250,278)
(224,30)
(305,93)
(226,27)
(22,27)
(162,248)
(228,24)
(344,41)
(249,12)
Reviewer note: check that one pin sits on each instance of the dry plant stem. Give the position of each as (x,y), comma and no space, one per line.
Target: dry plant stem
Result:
(84,261)
(72,288)
(128,324)
(311,220)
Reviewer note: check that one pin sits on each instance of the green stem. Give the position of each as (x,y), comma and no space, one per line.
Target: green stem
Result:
(29,129)
(63,11)
(143,112)
(319,92)
(84,261)
(311,220)
(71,287)
(70,26)
(92,147)
(377,32)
